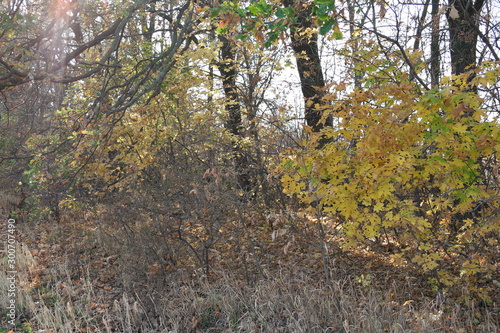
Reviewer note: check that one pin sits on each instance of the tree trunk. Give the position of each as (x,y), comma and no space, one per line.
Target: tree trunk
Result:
(463,19)
(435,54)
(358,76)
(229,72)
(305,48)
(463,26)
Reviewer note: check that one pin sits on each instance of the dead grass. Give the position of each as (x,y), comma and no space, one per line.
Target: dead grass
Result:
(70,282)
(284,302)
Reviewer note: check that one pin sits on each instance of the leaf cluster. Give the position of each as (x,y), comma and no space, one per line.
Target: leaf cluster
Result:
(410,168)
(269,21)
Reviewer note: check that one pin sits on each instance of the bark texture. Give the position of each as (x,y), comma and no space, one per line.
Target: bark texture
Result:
(305,48)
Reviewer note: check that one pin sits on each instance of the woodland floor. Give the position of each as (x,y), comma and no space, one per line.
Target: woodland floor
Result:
(69,281)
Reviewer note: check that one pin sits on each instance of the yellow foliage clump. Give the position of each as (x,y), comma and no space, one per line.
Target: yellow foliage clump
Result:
(413,167)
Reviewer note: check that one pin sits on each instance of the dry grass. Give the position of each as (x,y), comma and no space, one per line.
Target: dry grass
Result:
(68,281)
(284,303)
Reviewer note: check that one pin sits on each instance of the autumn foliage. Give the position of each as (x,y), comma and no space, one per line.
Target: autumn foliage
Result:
(275,166)
(410,170)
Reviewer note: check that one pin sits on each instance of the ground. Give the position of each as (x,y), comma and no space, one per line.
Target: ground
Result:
(70,279)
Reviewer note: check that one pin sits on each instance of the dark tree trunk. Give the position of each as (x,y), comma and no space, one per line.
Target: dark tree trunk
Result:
(358,76)
(435,54)
(463,25)
(463,22)
(305,48)
(229,72)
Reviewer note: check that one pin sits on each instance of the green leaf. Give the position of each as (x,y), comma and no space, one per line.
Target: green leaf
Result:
(241,12)
(329,3)
(327,26)
(215,12)
(253,9)
(337,34)
(242,37)
(289,12)
(221,30)
(280,13)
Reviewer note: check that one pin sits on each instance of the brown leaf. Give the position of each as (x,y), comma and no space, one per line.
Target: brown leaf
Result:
(453,12)
(195,322)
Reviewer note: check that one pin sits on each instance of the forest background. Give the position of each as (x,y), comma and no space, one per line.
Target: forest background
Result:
(319,166)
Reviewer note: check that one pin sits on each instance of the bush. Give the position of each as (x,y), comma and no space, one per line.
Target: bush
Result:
(411,170)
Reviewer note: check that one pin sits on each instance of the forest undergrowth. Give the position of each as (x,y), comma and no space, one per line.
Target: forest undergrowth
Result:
(81,274)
